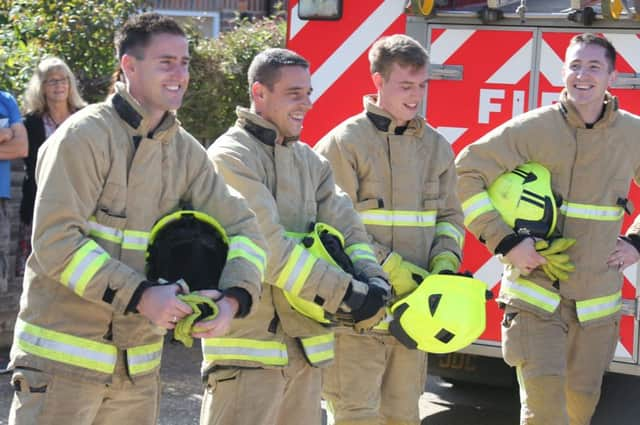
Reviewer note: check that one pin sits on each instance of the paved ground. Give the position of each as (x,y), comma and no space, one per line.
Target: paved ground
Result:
(441,404)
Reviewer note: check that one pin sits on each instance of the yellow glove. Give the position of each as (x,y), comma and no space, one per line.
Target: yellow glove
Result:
(444,261)
(403,275)
(558,264)
(204,308)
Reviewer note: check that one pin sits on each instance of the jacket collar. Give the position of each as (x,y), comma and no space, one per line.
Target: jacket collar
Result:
(383,121)
(134,115)
(259,128)
(571,114)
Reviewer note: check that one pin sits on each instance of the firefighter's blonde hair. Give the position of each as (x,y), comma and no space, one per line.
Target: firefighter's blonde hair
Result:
(398,48)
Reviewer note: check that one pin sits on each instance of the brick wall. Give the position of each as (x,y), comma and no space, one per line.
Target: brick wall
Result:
(10,295)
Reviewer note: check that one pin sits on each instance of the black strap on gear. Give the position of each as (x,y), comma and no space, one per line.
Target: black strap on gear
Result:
(188,249)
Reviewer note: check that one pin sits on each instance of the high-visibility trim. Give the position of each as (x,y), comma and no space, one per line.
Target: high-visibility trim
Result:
(144,358)
(360,252)
(271,353)
(107,233)
(83,266)
(135,240)
(296,270)
(399,218)
(591,212)
(319,349)
(65,348)
(475,206)
(531,293)
(597,308)
(243,247)
(447,229)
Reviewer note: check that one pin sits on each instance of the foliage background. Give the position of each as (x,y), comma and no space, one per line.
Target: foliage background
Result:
(81,33)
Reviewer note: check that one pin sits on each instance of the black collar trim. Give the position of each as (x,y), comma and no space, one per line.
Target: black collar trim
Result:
(380,122)
(265,135)
(126,111)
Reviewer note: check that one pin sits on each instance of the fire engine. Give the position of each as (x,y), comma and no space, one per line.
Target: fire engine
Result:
(490,61)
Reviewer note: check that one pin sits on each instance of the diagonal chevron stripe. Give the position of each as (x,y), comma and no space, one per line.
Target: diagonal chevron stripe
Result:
(452,133)
(490,272)
(622,353)
(355,46)
(447,44)
(627,46)
(550,65)
(515,68)
(631,273)
(295,23)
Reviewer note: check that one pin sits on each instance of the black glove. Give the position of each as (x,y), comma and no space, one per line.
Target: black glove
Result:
(365,303)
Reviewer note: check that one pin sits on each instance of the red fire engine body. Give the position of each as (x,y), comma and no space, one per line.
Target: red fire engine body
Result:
(488,64)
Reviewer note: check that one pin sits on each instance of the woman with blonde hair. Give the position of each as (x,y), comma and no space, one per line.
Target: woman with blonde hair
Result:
(51,97)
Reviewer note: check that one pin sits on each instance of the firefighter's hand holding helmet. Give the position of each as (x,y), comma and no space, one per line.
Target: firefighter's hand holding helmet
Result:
(227,309)
(524,256)
(365,302)
(160,304)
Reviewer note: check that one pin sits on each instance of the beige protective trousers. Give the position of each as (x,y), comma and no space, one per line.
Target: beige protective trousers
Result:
(559,363)
(252,396)
(56,399)
(374,380)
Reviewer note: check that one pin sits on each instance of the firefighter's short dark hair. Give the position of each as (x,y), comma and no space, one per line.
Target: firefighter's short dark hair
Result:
(265,66)
(597,40)
(398,48)
(137,31)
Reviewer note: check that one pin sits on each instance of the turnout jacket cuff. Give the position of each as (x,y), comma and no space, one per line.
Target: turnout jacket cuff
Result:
(242,297)
(509,242)
(123,289)
(132,307)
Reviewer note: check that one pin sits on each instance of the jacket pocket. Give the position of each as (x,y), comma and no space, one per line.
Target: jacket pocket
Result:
(431,191)
(220,377)
(369,204)
(113,199)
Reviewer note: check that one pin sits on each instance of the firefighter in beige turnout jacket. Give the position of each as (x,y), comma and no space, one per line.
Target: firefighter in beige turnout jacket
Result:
(400,174)
(87,348)
(272,359)
(562,335)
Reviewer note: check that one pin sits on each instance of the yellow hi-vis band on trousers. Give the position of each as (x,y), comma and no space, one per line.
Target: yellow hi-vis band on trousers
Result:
(399,218)
(591,212)
(144,358)
(270,353)
(319,349)
(475,206)
(296,270)
(444,228)
(65,348)
(83,266)
(531,293)
(360,252)
(597,308)
(243,247)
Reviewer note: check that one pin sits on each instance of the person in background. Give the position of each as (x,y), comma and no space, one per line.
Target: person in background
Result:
(51,97)
(13,145)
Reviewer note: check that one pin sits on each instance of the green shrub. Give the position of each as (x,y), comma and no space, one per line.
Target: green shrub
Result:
(219,75)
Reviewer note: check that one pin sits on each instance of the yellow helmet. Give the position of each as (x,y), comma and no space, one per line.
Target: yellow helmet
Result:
(188,245)
(444,314)
(327,243)
(525,200)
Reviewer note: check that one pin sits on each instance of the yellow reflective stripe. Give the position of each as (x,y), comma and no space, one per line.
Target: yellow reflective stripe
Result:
(591,212)
(361,251)
(296,271)
(444,228)
(400,218)
(65,348)
(144,358)
(83,266)
(135,240)
(243,247)
(101,231)
(271,353)
(597,308)
(475,206)
(531,293)
(319,348)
